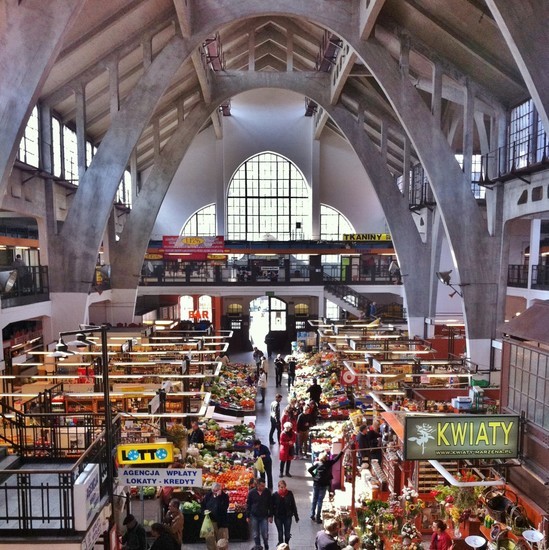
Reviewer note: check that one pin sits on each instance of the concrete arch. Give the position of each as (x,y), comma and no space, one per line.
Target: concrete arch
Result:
(413,254)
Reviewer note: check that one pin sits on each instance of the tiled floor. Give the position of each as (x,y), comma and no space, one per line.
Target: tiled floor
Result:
(304,532)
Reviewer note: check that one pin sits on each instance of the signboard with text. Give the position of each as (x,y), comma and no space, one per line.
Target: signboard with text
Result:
(178,244)
(161,477)
(87,497)
(360,237)
(461,436)
(144,453)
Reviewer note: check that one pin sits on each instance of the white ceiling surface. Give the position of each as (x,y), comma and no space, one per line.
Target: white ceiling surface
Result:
(461,34)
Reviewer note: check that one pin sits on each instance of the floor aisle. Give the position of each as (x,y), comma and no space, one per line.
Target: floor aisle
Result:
(304,532)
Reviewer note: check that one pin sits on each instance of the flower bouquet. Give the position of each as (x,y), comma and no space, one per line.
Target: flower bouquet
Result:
(409,531)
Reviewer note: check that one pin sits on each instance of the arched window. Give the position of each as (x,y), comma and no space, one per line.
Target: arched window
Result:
(186,306)
(301,309)
(234,309)
(205,307)
(268,199)
(201,223)
(333,224)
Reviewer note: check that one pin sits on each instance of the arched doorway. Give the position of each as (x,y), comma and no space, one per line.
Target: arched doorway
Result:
(268,324)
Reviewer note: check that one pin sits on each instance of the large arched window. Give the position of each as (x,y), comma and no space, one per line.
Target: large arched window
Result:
(333,224)
(268,198)
(201,223)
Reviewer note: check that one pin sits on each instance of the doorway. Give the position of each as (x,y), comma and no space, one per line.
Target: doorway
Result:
(268,323)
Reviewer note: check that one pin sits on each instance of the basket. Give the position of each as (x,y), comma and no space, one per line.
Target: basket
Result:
(517,520)
(498,504)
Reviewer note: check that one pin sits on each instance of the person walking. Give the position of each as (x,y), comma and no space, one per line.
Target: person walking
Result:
(257,356)
(279,369)
(135,537)
(196,435)
(216,503)
(326,539)
(259,513)
(262,385)
(287,449)
(174,521)
(284,509)
(275,418)
(322,479)
(263,452)
(292,363)
(302,428)
(162,539)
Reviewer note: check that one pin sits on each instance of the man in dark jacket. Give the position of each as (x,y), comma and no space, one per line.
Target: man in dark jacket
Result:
(322,479)
(275,419)
(135,537)
(326,539)
(216,503)
(315,391)
(259,514)
(279,369)
(292,363)
(303,424)
(263,451)
(196,435)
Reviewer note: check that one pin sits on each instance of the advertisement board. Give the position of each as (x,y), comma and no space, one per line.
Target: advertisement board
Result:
(87,497)
(144,453)
(449,437)
(161,477)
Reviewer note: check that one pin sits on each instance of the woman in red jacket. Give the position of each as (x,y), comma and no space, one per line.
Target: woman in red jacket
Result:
(287,448)
(440,540)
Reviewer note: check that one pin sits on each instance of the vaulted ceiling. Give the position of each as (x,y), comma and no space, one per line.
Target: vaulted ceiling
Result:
(112,42)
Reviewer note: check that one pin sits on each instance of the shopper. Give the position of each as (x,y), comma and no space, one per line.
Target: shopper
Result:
(257,356)
(287,448)
(326,539)
(284,509)
(292,363)
(174,520)
(275,418)
(162,539)
(259,513)
(135,537)
(263,451)
(279,369)
(196,436)
(216,502)
(373,442)
(303,425)
(440,540)
(322,479)
(362,444)
(353,543)
(315,391)
(262,385)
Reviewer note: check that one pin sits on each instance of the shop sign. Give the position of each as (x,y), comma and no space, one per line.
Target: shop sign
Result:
(144,453)
(360,237)
(100,525)
(178,244)
(161,477)
(87,497)
(461,436)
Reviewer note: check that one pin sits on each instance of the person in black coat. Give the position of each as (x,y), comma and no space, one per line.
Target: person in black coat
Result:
(162,539)
(196,436)
(216,502)
(326,539)
(292,363)
(259,513)
(263,451)
(284,509)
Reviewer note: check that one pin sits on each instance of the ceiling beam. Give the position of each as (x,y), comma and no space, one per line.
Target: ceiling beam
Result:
(344,63)
(369,10)
(202,74)
(183,10)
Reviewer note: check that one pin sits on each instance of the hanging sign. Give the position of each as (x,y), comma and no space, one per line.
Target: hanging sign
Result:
(173,244)
(161,477)
(366,237)
(348,378)
(461,436)
(144,453)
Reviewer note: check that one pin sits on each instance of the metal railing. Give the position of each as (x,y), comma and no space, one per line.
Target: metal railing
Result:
(30,287)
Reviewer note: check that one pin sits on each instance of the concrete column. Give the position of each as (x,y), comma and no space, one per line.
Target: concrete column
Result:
(404,59)
(32,36)
(315,190)
(436,98)
(290,52)
(525,30)
(535,237)
(251,51)
(80,97)
(406,168)
(222,188)
(146,45)
(468,132)
(114,88)
(384,140)
(134,174)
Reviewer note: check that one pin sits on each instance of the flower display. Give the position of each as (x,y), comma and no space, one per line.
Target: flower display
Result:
(409,531)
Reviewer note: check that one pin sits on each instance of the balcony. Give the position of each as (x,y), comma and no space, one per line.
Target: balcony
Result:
(31,288)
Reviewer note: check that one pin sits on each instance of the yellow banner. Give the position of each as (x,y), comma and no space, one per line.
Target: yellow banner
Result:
(144,453)
(367,237)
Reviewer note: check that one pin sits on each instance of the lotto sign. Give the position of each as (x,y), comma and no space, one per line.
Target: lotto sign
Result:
(348,378)
(144,453)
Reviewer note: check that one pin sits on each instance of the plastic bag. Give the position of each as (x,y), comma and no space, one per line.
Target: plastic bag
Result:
(207,529)
(259,466)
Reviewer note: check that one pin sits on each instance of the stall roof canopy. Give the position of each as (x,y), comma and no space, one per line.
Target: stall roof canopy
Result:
(532,325)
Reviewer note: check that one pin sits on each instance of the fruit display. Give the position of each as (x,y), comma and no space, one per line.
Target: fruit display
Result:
(231,391)
(239,436)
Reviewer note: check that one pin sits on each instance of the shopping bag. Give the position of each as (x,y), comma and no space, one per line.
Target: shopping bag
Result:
(207,529)
(259,466)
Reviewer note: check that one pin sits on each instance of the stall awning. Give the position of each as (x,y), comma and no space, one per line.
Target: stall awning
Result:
(530,325)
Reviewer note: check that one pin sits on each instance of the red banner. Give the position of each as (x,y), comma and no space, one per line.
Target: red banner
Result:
(191,245)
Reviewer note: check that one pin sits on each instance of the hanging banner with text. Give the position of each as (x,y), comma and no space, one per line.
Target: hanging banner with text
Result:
(369,237)
(177,244)
(461,436)
(160,477)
